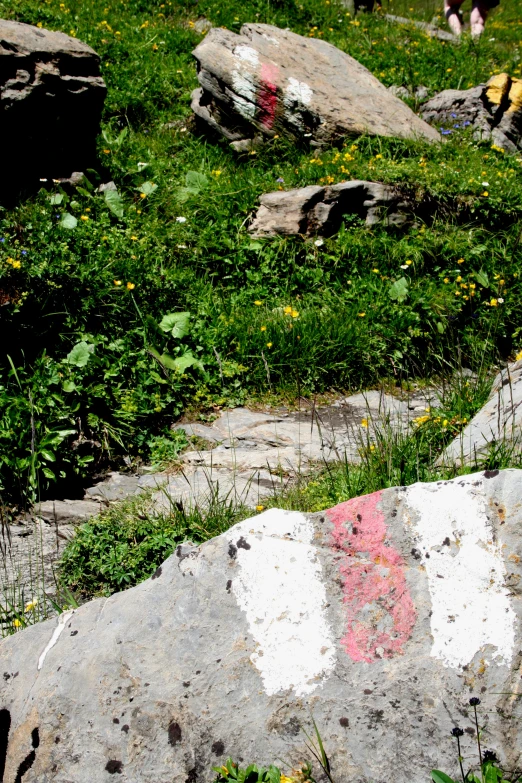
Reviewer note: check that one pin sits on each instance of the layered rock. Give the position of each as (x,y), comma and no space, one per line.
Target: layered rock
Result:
(498,425)
(51,97)
(266,81)
(320,210)
(493,110)
(380,617)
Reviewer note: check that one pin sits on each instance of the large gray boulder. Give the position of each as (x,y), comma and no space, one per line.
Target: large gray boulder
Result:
(380,617)
(266,81)
(493,110)
(51,97)
(320,210)
(497,425)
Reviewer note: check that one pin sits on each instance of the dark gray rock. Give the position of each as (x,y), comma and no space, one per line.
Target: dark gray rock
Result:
(51,97)
(380,617)
(493,110)
(266,81)
(320,210)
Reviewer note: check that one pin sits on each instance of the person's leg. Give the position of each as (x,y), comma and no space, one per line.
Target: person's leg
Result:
(478,18)
(453,16)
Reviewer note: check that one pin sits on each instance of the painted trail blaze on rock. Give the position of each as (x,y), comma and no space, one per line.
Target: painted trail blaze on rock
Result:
(267,98)
(379,610)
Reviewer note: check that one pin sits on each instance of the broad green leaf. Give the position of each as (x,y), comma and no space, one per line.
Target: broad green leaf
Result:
(68,220)
(157,377)
(440,327)
(482,279)
(255,246)
(48,473)
(83,192)
(399,290)
(183,194)
(80,354)
(182,363)
(114,201)
(478,250)
(147,188)
(48,455)
(68,386)
(440,777)
(176,323)
(194,179)
(56,198)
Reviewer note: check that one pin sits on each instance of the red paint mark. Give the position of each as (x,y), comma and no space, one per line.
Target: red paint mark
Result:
(267,96)
(379,608)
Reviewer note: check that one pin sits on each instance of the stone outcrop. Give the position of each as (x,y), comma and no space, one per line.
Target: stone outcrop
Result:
(493,110)
(51,97)
(266,81)
(320,210)
(380,617)
(497,425)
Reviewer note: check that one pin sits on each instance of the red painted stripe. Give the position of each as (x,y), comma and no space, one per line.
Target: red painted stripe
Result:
(267,96)
(380,612)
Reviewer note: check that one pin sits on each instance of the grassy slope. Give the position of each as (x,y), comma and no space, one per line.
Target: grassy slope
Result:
(349,332)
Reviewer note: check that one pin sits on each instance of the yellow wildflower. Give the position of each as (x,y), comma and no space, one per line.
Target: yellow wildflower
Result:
(485,193)
(361,315)
(460,261)
(459,279)
(131,286)
(31,605)
(107,152)
(364,423)
(134,239)
(263,328)
(117,282)
(258,302)
(493,303)
(287,310)
(155,47)
(375,270)
(260,508)
(446,279)
(518,357)
(378,156)
(269,345)
(84,217)
(295,314)
(17,623)
(409,262)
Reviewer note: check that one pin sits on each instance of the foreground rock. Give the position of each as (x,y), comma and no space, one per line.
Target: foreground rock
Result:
(493,110)
(51,97)
(320,210)
(380,617)
(498,425)
(267,81)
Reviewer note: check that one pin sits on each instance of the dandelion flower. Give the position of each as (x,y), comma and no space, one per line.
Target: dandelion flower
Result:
(295,313)
(485,193)
(287,310)
(258,302)
(107,152)
(117,282)
(364,423)
(518,357)
(263,328)
(84,217)
(134,238)
(269,345)
(446,280)
(409,262)
(375,270)
(460,261)
(459,279)
(260,508)
(31,605)
(361,315)
(494,303)
(17,623)
(131,286)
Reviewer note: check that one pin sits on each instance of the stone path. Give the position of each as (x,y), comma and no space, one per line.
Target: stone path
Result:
(250,455)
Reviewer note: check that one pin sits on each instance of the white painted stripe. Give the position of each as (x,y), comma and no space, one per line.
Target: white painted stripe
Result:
(279,586)
(245,93)
(471,607)
(62,619)
(298,92)
(247,54)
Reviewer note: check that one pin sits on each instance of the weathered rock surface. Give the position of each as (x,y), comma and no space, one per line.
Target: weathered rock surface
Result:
(51,97)
(266,81)
(498,422)
(381,617)
(320,210)
(494,110)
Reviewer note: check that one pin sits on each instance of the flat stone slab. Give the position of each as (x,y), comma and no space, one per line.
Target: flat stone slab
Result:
(498,422)
(380,617)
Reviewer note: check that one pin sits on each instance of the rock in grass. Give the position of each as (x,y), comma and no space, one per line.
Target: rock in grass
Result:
(266,81)
(380,617)
(51,97)
(493,110)
(320,210)
(497,426)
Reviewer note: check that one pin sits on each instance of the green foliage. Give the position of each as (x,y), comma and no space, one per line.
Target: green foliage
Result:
(96,287)
(127,543)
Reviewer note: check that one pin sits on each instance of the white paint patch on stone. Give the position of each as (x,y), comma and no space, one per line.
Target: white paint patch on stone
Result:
(471,607)
(247,54)
(297,92)
(62,620)
(279,586)
(244,97)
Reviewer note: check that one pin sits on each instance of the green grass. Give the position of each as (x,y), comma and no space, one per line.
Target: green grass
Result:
(64,416)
